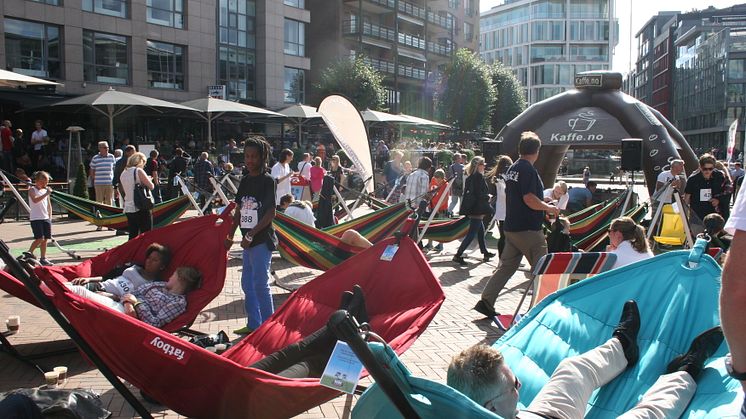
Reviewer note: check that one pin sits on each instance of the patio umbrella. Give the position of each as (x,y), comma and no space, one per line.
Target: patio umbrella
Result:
(112,103)
(300,114)
(425,122)
(11,79)
(378,116)
(210,108)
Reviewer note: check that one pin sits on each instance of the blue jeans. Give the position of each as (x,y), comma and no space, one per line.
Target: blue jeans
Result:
(476,228)
(157,199)
(255,284)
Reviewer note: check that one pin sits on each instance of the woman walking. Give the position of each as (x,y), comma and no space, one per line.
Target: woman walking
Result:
(496,175)
(139,220)
(476,206)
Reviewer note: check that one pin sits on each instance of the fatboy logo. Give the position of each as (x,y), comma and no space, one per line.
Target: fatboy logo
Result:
(156,344)
(578,125)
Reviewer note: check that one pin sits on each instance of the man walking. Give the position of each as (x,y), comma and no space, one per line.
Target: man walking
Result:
(203,170)
(523,220)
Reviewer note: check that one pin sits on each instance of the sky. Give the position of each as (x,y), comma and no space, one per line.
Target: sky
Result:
(642,11)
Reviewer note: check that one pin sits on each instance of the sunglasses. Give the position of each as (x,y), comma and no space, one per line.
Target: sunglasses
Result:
(488,404)
(708,169)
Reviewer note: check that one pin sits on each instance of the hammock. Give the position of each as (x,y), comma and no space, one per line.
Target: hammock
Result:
(444,231)
(595,241)
(402,297)
(307,246)
(198,242)
(601,216)
(577,216)
(682,303)
(163,214)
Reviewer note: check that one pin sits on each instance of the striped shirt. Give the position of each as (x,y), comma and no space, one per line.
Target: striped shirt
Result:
(103,169)
(157,306)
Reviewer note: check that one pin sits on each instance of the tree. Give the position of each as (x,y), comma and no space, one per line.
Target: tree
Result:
(355,79)
(81,183)
(510,98)
(466,94)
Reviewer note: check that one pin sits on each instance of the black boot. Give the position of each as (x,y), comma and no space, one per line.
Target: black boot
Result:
(357,305)
(459,259)
(485,308)
(626,331)
(702,348)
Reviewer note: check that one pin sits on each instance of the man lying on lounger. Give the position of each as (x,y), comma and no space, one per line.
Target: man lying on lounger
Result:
(155,303)
(481,374)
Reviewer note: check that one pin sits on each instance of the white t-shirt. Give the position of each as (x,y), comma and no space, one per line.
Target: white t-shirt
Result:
(304,168)
(126,283)
(127,180)
(561,203)
(737,220)
(301,213)
(626,254)
(39,210)
(38,135)
(664,177)
(283,188)
(500,203)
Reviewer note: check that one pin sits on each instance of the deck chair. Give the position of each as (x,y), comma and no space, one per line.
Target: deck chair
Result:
(671,231)
(677,294)
(555,271)
(402,297)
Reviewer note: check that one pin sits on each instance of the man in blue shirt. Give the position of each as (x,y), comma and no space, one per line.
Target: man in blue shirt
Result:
(524,217)
(580,198)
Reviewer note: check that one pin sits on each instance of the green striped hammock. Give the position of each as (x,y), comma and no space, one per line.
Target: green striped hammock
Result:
(601,216)
(308,246)
(113,217)
(596,241)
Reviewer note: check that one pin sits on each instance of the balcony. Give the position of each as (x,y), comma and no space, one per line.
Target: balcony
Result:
(444,21)
(412,10)
(383,66)
(440,49)
(352,27)
(412,73)
(412,41)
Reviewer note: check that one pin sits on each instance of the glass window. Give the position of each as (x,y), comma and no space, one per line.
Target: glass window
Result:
(737,69)
(49,2)
(105,58)
(469,31)
(118,8)
(295,37)
(237,40)
(295,80)
(33,48)
(296,3)
(166,12)
(165,65)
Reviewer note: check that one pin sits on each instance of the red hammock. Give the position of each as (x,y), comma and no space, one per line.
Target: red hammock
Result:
(198,242)
(402,297)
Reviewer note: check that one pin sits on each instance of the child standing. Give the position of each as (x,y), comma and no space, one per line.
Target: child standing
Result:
(255,211)
(438,180)
(41,214)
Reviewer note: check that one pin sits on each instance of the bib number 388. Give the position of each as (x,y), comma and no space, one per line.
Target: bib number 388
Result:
(249,218)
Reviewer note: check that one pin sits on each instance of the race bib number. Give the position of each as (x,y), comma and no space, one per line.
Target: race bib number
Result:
(705,195)
(249,218)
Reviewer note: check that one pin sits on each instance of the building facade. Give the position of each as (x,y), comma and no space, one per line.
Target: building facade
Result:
(709,82)
(409,42)
(168,49)
(546,42)
(652,79)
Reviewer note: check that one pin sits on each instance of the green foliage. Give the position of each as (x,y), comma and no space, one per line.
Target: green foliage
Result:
(444,157)
(510,99)
(466,94)
(469,154)
(81,183)
(355,79)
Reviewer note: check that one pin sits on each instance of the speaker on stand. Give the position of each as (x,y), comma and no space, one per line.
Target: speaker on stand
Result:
(631,162)
(490,150)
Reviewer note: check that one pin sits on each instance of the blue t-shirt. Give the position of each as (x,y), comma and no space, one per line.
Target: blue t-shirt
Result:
(577,197)
(521,179)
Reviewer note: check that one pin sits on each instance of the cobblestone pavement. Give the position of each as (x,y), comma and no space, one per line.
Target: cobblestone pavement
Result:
(454,328)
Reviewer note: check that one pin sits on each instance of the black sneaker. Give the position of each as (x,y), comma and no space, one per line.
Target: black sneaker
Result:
(702,348)
(484,308)
(627,330)
(460,260)
(488,256)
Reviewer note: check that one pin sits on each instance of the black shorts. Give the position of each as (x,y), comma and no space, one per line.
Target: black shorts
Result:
(41,228)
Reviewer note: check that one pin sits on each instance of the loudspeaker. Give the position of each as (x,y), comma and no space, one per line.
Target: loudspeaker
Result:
(490,151)
(631,154)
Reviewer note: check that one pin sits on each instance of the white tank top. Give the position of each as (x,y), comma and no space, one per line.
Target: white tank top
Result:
(39,210)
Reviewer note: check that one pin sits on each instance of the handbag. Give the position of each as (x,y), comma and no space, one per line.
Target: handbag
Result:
(142,196)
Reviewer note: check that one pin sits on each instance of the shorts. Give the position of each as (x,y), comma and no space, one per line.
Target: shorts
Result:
(41,228)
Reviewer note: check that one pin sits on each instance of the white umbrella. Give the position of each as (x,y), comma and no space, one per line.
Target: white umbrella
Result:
(378,116)
(214,108)
(426,122)
(300,114)
(112,103)
(11,79)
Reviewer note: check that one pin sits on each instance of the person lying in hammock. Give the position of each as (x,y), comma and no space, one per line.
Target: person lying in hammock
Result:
(155,303)
(308,357)
(157,258)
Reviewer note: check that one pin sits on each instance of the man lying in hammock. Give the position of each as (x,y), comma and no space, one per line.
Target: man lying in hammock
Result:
(157,258)
(481,374)
(308,357)
(155,303)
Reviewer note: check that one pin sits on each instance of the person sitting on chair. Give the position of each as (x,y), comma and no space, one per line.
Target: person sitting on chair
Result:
(628,242)
(481,374)
(155,303)
(714,224)
(157,258)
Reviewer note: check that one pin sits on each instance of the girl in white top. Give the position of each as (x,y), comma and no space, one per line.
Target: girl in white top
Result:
(557,195)
(138,220)
(281,173)
(628,242)
(40,214)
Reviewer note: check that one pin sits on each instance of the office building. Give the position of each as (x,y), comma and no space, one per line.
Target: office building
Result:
(546,42)
(652,79)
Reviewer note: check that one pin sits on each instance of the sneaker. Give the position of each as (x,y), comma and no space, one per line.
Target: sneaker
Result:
(627,330)
(45,262)
(439,247)
(243,331)
(99,228)
(702,348)
(488,256)
(460,260)
(483,307)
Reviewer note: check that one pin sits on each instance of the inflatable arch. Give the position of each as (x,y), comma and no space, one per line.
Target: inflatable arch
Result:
(596,114)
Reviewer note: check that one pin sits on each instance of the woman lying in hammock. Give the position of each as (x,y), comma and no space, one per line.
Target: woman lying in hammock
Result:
(157,258)
(155,303)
